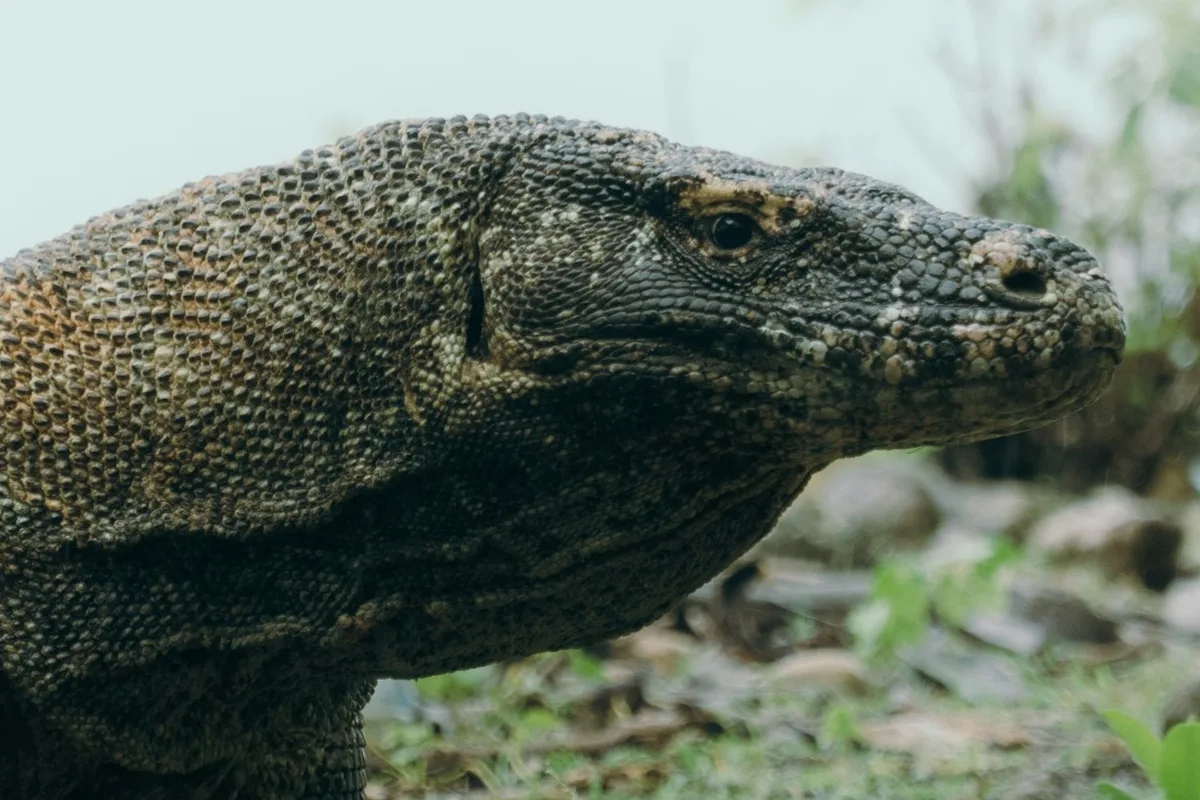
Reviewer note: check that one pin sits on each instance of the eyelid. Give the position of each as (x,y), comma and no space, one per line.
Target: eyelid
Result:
(730,207)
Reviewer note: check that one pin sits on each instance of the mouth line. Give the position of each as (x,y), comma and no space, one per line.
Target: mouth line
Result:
(689,335)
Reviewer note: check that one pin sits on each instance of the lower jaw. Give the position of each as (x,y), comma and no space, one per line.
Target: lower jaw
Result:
(1021,404)
(886,416)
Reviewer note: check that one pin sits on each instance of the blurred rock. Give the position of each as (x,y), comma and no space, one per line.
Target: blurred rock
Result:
(1008,632)
(856,512)
(751,609)
(752,629)
(602,705)
(1189,551)
(1005,508)
(1062,615)
(973,675)
(955,545)
(714,681)
(1181,606)
(800,587)
(839,670)
(945,735)
(1116,530)
(664,649)
(1182,705)
(723,610)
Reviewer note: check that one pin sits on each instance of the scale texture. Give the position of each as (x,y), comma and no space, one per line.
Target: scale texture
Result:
(448,392)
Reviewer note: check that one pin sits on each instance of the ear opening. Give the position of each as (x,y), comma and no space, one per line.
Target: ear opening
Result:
(477,344)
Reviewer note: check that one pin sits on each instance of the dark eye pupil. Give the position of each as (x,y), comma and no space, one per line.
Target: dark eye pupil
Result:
(731,231)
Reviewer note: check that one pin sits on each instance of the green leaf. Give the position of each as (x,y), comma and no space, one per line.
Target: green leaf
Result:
(839,729)
(1143,745)
(897,614)
(867,623)
(452,687)
(1181,762)
(1112,791)
(585,666)
(536,720)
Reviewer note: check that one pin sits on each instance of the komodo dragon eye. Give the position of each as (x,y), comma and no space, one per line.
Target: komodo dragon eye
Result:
(730,231)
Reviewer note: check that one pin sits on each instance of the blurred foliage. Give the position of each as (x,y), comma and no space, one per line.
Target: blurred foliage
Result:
(1130,193)
(839,727)
(897,615)
(907,597)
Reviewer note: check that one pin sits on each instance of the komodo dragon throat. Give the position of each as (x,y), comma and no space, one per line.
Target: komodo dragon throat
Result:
(448,392)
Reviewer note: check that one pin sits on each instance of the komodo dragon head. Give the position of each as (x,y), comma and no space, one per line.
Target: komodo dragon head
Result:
(815,312)
(449,392)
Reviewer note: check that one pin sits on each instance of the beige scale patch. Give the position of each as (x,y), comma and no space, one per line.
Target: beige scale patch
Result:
(752,195)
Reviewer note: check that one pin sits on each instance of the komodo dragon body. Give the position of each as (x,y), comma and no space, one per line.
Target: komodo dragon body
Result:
(449,392)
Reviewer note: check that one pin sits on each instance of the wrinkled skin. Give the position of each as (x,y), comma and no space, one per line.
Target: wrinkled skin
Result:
(447,393)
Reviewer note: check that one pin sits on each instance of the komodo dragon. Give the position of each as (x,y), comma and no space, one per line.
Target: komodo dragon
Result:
(448,392)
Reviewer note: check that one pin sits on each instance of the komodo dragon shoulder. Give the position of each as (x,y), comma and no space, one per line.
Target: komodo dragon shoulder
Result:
(448,392)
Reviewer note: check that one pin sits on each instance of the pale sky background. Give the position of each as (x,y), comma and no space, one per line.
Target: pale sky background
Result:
(105,102)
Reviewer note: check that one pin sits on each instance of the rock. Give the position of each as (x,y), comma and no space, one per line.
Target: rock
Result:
(713,681)
(1062,615)
(664,649)
(1189,552)
(973,675)
(1008,632)
(945,734)
(856,512)
(1182,705)
(1181,606)
(725,610)
(800,586)
(954,547)
(1004,508)
(829,668)
(1116,530)
(751,629)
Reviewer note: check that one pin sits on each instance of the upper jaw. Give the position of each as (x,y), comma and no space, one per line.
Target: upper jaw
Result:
(885,343)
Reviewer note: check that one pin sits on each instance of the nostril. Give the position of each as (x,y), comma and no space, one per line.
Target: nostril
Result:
(1027,284)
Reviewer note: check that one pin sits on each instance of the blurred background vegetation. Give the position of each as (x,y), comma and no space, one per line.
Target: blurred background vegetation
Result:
(1129,191)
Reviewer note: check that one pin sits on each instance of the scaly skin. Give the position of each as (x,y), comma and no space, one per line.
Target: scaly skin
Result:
(449,392)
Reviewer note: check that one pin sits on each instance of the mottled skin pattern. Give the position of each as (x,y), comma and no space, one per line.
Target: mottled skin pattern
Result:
(449,392)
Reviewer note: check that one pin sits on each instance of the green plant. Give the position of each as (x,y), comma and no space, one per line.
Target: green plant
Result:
(1172,763)
(839,728)
(906,598)
(965,586)
(896,615)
